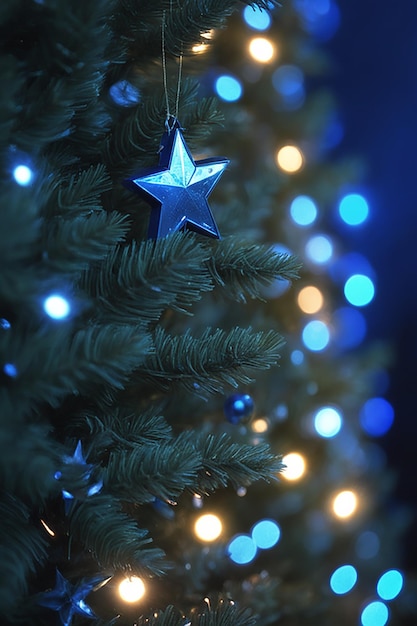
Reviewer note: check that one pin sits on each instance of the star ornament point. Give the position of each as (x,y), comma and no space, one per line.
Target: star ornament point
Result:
(178,188)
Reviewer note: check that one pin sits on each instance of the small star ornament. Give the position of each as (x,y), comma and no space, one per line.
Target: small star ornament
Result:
(68,599)
(178,188)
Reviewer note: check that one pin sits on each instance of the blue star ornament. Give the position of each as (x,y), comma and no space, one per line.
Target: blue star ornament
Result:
(178,188)
(69,599)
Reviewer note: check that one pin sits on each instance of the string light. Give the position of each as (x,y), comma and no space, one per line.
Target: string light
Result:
(345,504)
(260,425)
(256,18)
(359,290)
(290,159)
(295,466)
(316,335)
(23,175)
(327,422)
(132,589)
(56,306)
(303,210)
(208,527)
(261,50)
(353,209)
(319,249)
(310,299)
(228,88)
(390,584)
(242,549)
(48,530)
(375,614)
(266,534)
(343,579)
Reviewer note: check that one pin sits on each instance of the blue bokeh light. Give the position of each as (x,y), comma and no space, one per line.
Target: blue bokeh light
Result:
(10,370)
(367,545)
(303,210)
(375,614)
(348,264)
(319,249)
(350,327)
(327,422)
(266,534)
(353,209)
(316,335)
(297,357)
(124,94)
(343,579)
(359,290)
(56,306)
(228,88)
(288,81)
(23,175)
(390,584)
(376,416)
(242,549)
(321,18)
(256,18)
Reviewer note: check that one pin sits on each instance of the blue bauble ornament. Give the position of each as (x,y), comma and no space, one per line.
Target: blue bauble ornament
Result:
(239,408)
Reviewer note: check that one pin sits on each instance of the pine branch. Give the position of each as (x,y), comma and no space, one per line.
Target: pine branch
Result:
(225,462)
(29,458)
(62,366)
(23,549)
(242,268)
(163,471)
(140,281)
(205,365)
(114,538)
(169,617)
(79,195)
(120,430)
(72,245)
(222,613)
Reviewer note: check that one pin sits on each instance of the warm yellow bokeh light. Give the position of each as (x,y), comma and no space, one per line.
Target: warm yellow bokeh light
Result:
(310,299)
(290,159)
(208,527)
(132,589)
(260,425)
(345,504)
(296,466)
(199,48)
(261,50)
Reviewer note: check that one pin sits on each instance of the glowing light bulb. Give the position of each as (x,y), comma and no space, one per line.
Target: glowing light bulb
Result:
(310,299)
(303,210)
(353,209)
(23,175)
(132,589)
(56,306)
(242,549)
(256,18)
(343,579)
(375,614)
(316,335)
(327,422)
(319,249)
(261,50)
(228,88)
(290,159)
(295,466)
(390,584)
(260,425)
(266,534)
(208,527)
(345,504)
(359,290)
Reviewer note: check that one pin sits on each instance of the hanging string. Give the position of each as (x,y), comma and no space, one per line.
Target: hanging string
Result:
(169,115)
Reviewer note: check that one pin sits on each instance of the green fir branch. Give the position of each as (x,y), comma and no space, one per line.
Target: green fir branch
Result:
(228,463)
(161,471)
(169,617)
(222,613)
(242,268)
(78,195)
(95,356)
(114,538)
(120,430)
(23,550)
(72,245)
(206,364)
(140,281)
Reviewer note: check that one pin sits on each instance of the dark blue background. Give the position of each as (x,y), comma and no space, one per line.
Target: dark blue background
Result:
(375,80)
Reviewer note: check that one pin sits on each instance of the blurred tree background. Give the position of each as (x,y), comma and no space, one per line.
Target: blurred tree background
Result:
(143,412)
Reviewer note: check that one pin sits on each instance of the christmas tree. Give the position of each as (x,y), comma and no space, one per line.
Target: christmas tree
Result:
(145,305)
